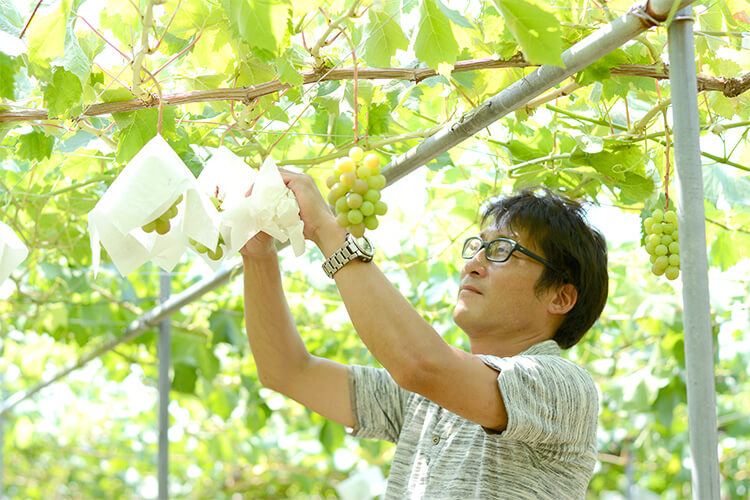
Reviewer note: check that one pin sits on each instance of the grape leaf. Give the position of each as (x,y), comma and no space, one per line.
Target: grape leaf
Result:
(721,186)
(378,119)
(63,93)
(454,15)
(35,146)
(251,21)
(184,379)
(536,30)
(435,42)
(383,36)
(138,127)
(10,20)
(8,68)
(46,34)
(287,72)
(75,59)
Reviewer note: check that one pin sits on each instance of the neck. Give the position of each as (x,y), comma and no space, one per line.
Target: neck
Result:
(505,347)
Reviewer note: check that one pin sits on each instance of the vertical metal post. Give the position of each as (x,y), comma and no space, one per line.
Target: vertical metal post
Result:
(164,386)
(3,396)
(701,392)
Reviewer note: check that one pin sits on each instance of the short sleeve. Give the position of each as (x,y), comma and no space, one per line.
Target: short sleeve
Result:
(378,403)
(549,400)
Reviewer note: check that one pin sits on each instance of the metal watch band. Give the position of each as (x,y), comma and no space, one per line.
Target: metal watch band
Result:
(348,252)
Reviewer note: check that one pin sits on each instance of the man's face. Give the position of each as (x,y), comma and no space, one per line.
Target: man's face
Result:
(497,299)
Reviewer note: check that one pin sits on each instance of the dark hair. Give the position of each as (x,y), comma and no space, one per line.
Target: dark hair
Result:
(558,227)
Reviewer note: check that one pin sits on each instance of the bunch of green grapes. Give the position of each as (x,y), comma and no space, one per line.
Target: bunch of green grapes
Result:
(662,243)
(214,254)
(355,191)
(161,224)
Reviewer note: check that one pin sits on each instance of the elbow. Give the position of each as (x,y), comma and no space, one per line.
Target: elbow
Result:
(416,375)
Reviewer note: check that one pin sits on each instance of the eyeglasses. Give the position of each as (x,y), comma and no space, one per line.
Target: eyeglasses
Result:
(499,250)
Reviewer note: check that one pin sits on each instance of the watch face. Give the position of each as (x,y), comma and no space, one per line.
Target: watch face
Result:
(364,245)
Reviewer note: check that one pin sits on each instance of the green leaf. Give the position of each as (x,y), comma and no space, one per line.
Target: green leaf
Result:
(435,43)
(63,93)
(725,250)
(454,15)
(184,378)
(46,34)
(8,67)
(287,72)
(378,119)
(331,436)
(139,128)
(35,146)
(226,329)
(535,29)
(722,186)
(75,59)
(252,22)
(222,402)
(11,21)
(383,36)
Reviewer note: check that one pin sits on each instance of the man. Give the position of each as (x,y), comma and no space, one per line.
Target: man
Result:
(509,420)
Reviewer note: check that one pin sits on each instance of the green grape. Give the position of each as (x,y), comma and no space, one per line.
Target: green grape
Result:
(371,222)
(661,262)
(650,247)
(372,162)
(667,227)
(356,153)
(355,217)
(348,178)
(341,205)
(653,239)
(179,199)
(656,228)
(372,195)
(342,219)
(652,258)
(665,239)
(216,254)
(376,181)
(344,165)
(150,227)
(671,217)
(201,248)
(331,180)
(337,191)
(657,270)
(216,202)
(672,273)
(380,208)
(172,212)
(676,235)
(360,186)
(192,241)
(163,226)
(674,248)
(367,208)
(354,200)
(657,215)
(357,230)
(647,223)
(674,260)
(661,250)
(363,172)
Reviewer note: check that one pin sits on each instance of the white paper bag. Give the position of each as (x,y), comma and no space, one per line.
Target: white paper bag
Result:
(271,208)
(12,251)
(150,184)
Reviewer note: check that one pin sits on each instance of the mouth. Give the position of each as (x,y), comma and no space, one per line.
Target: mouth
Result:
(470,289)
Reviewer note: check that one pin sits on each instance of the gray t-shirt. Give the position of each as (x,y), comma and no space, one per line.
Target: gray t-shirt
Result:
(547,451)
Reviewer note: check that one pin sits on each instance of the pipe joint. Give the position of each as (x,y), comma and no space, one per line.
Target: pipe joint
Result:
(644,13)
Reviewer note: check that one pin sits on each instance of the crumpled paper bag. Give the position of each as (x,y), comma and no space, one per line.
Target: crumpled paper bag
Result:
(12,251)
(271,208)
(227,178)
(148,185)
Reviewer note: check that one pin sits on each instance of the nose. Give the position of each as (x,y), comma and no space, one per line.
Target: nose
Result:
(477,265)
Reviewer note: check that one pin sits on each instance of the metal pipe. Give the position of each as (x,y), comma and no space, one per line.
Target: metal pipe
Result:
(699,364)
(638,19)
(165,343)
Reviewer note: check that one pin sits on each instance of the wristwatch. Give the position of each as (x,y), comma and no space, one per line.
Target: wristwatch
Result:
(359,248)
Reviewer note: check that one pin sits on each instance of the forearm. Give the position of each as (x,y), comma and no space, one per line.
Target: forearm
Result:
(274,341)
(399,338)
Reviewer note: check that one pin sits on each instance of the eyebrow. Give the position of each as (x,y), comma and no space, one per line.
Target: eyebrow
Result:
(483,235)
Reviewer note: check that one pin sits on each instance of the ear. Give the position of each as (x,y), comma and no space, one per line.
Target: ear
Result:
(563,300)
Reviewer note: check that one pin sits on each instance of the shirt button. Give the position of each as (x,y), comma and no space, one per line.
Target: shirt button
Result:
(436,440)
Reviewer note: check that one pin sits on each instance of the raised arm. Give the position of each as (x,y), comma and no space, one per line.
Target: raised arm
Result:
(400,339)
(284,363)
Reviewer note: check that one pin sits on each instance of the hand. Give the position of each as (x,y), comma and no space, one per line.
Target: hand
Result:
(316,215)
(259,245)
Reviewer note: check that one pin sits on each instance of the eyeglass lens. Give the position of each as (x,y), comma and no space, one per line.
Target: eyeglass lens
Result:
(496,250)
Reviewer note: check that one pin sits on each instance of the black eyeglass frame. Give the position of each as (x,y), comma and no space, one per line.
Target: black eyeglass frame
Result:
(515,246)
